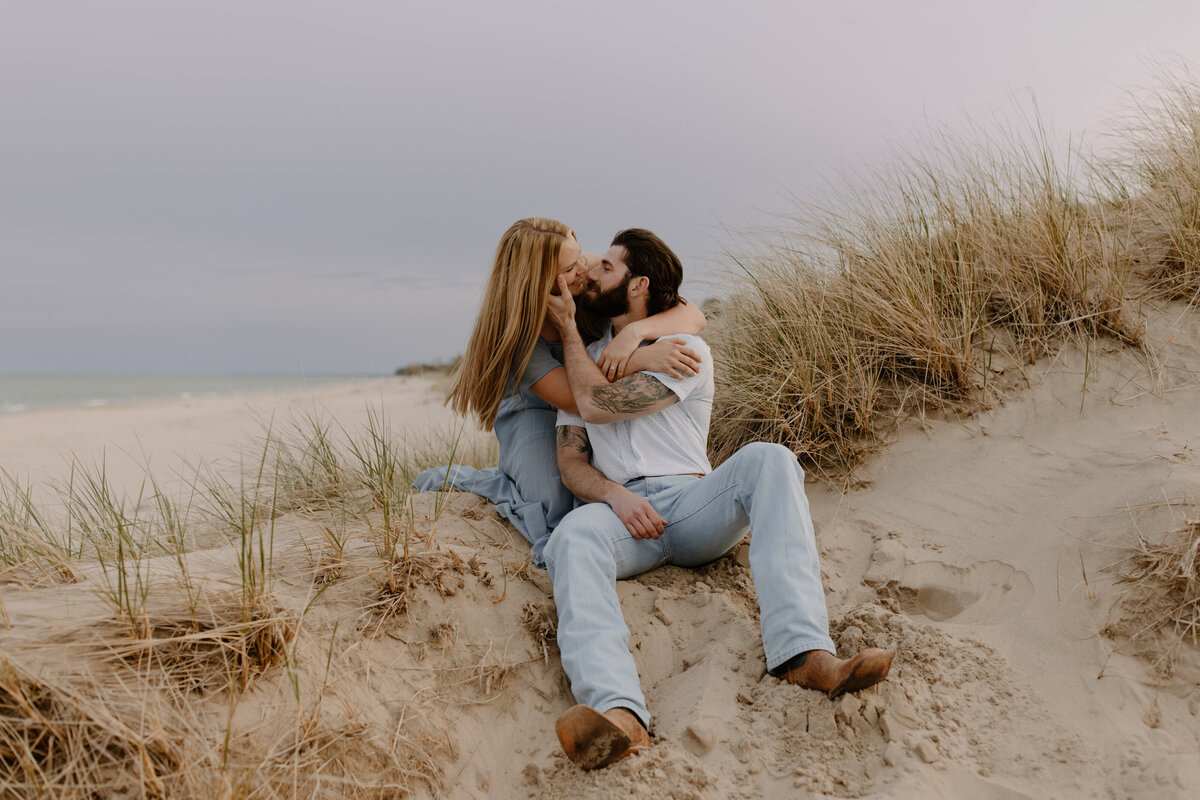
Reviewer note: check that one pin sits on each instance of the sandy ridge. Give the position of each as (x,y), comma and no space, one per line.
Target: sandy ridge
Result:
(982,549)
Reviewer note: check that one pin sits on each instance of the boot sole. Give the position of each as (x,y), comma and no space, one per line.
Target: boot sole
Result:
(869,670)
(590,739)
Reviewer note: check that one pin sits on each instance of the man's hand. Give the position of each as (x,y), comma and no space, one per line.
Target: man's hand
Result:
(589,485)
(561,309)
(640,518)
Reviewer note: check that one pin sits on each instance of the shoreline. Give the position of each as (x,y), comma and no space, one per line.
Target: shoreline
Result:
(102,390)
(170,435)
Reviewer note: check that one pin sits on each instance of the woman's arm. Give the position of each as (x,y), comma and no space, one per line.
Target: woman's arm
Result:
(669,355)
(554,389)
(683,318)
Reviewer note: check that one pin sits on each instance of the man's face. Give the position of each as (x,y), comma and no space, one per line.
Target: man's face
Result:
(572,267)
(608,285)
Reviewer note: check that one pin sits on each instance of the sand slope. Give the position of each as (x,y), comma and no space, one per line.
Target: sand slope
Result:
(980,549)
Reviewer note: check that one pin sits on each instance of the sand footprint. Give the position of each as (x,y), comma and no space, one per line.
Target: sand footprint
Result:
(986,592)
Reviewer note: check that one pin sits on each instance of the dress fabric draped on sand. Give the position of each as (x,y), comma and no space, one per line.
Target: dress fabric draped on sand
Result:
(526,488)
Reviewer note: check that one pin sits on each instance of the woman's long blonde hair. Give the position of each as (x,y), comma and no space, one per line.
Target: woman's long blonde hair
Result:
(510,317)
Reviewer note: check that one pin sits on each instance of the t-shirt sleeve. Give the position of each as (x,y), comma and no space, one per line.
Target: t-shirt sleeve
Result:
(568,420)
(541,363)
(683,387)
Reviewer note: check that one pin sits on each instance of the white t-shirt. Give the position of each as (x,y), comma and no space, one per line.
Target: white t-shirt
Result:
(673,441)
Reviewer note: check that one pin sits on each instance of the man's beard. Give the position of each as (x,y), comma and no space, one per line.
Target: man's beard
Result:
(612,303)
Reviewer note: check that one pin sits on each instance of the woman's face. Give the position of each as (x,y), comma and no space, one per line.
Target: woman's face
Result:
(571,266)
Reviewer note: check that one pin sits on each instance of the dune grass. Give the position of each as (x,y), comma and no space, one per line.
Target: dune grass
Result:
(1158,611)
(1170,568)
(131,702)
(1159,182)
(971,256)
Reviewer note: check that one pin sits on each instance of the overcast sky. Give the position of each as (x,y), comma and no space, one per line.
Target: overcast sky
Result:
(295,186)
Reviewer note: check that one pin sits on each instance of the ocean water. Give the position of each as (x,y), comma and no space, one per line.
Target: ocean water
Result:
(21,393)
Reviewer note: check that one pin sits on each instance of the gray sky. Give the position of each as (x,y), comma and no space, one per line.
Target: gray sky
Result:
(293,186)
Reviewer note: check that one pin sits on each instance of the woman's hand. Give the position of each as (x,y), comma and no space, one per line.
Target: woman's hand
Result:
(614,361)
(671,356)
(667,355)
(561,308)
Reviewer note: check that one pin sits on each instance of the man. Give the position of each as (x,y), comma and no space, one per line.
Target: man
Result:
(637,455)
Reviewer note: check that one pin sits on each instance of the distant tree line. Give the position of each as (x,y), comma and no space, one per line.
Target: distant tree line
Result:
(442,367)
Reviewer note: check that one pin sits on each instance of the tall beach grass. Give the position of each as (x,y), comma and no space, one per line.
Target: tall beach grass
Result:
(922,282)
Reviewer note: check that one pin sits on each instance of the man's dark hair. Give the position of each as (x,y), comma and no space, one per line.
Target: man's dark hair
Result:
(648,255)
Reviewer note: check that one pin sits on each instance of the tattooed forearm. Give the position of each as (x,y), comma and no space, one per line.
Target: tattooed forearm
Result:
(630,395)
(575,438)
(575,464)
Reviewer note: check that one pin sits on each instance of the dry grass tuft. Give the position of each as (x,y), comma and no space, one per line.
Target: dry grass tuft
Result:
(406,575)
(216,649)
(541,621)
(352,760)
(69,740)
(84,735)
(1164,579)
(444,635)
(484,668)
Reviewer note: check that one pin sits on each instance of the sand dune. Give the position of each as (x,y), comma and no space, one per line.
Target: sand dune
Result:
(985,550)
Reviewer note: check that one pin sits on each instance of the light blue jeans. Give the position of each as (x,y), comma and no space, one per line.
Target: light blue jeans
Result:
(762,485)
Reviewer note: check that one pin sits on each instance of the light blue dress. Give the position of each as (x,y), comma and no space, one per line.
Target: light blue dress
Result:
(526,488)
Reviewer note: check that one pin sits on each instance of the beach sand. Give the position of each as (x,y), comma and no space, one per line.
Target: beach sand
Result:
(984,550)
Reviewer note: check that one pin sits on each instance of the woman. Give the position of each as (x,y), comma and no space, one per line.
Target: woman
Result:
(512,376)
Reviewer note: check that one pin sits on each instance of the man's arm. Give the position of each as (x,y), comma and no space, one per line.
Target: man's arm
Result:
(589,484)
(575,465)
(618,358)
(598,400)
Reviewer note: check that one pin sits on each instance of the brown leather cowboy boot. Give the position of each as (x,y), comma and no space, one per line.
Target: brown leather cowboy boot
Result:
(825,672)
(592,740)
